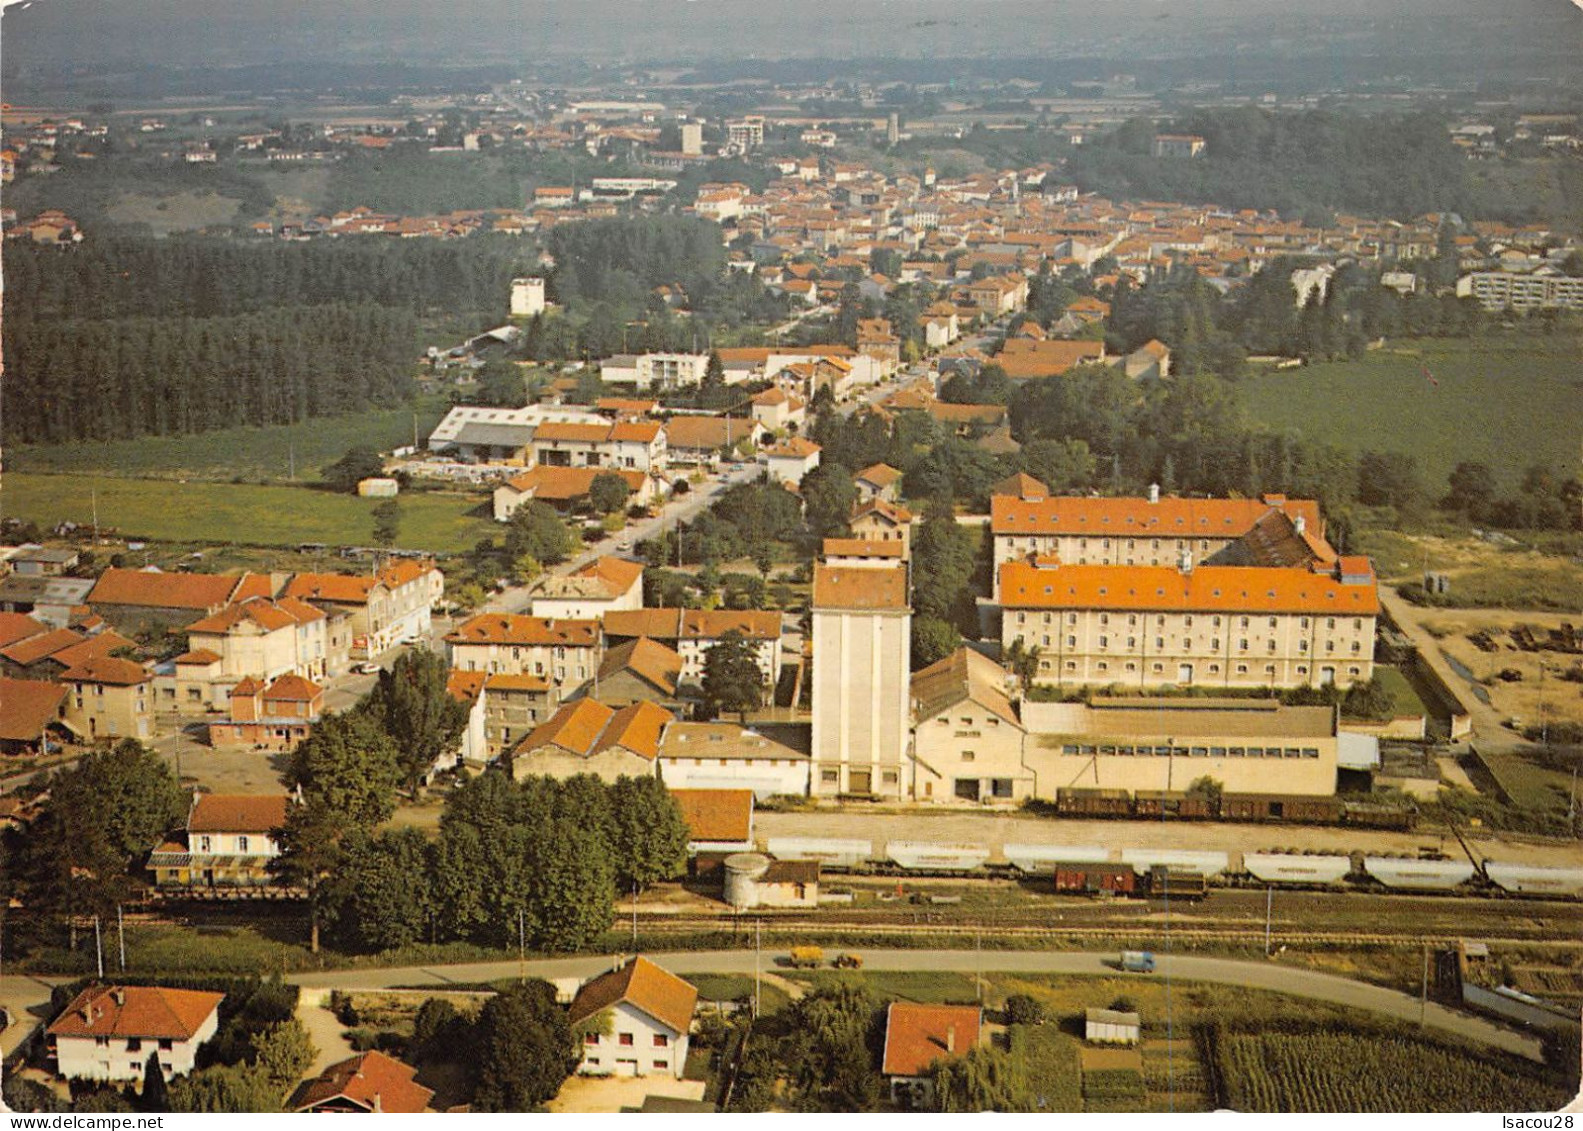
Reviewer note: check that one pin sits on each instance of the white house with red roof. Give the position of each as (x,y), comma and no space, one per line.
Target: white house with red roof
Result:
(229,842)
(917,1037)
(109,1032)
(604,585)
(634,1020)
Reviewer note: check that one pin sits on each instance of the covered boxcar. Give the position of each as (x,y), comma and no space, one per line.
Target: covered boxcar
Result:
(1095,879)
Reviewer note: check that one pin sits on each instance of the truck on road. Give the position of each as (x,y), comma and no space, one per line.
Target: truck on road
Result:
(1137,961)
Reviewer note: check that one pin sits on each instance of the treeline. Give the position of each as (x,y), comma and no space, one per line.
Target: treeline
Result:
(1303,165)
(80,379)
(128,277)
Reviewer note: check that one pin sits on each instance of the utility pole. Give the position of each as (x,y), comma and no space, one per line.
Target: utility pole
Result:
(120,931)
(291,461)
(1423,1002)
(634,899)
(1269,899)
(758,944)
(98,945)
(522,947)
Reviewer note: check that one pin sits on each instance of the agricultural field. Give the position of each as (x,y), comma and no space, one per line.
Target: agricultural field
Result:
(1508,401)
(254,454)
(180,212)
(440,523)
(1336,1071)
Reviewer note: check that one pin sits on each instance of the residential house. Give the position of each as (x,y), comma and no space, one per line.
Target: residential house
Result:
(875,339)
(634,1020)
(586,737)
(109,698)
(386,609)
(861,646)
(967,737)
(917,1036)
(637,670)
(700,440)
(564,653)
(273,716)
(607,584)
(718,820)
(1028,359)
(778,410)
(110,1032)
(230,840)
(855,553)
(693,632)
(31,715)
(37,561)
(999,295)
(514,706)
(719,755)
(368,1082)
(624,445)
(467,688)
(1149,362)
(791,459)
(566,488)
(875,520)
(879,481)
(264,638)
(15,627)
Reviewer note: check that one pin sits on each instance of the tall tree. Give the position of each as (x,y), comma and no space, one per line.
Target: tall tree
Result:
(350,766)
(828,495)
(536,530)
(732,679)
(650,836)
(414,708)
(357,464)
(608,493)
(525,1049)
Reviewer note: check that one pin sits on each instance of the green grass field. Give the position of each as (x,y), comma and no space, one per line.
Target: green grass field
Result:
(1508,402)
(210,513)
(248,453)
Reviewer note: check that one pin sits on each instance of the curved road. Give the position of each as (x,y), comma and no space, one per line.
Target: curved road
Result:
(1254,975)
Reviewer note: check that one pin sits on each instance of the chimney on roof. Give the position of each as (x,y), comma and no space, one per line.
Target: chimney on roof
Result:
(1300,524)
(378,1107)
(950,1038)
(1154,492)
(119,995)
(1184,560)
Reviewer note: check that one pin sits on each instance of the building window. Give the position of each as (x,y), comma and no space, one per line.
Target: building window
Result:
(1071,642)
(889,777)
(830,777)
(590,1038)
(625,1039)
(204,844)
(968,755)
(1158,668)
(241,844)
(134,1044)
(661,1041)
(1242,669)
(663,1065)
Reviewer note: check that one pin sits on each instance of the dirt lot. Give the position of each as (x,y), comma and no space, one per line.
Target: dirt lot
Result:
(994,829)
(602,1094)
(1561,700)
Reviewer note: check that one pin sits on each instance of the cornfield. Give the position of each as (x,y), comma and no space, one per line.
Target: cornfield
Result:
(1332,1072)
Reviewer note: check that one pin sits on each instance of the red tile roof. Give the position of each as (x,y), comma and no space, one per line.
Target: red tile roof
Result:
(294,688)
(1232,589)
(107,670)
(860,587)
(100,644)
(30,650)
(27,706)
(512,628)
(717,814)
(371,1081)
(149,1012)
(643,984)
(692,624)
(1138,518)
(651,661)
(18,626)
(465,686)
(917,1035)
(575,727)
(237,813)
(862,548)
(156,590)
(564,484)
(636,728)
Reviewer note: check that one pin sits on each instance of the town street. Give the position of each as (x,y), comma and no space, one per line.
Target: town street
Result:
(1253,975)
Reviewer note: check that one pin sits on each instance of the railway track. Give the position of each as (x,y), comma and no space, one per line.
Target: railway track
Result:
(1250,934)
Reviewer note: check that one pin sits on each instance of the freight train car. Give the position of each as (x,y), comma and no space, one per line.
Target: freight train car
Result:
(1096,879)
(1525,880)
(920,856)
(1284,868)
(1204,863)
(832,852)
(1037,857)
(1165,882)
(1165,803)
(1280,807)
(1093,803)
(1419,875)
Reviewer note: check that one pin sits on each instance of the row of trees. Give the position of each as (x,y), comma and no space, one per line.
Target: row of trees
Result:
(77,379)
(538,863)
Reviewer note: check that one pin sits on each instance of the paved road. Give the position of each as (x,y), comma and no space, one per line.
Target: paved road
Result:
(517,598)
(1254,975)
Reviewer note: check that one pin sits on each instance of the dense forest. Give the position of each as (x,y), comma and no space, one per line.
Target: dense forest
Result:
(1303,165)
(79,379)
(621,260)
(127,276)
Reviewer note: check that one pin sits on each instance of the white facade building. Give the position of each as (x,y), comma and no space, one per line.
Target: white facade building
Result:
(634,1021)
(109,1032)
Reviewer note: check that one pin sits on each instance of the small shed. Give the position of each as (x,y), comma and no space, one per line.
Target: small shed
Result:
(378,487)
(1111,1027)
